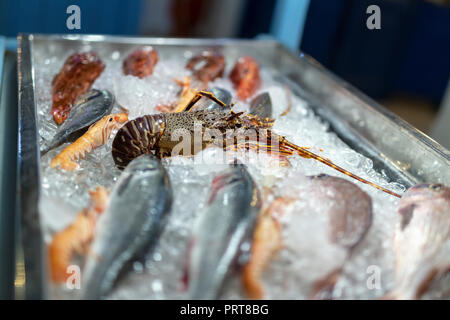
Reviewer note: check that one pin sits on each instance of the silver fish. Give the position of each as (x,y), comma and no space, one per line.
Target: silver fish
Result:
(261,105)
(139,206)
(89,108)
(422,240)
(227,222)
(209,105)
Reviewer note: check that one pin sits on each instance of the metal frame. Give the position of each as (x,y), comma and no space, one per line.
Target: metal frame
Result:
(28,182)
(406,153)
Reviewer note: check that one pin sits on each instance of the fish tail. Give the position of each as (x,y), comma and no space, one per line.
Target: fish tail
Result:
(415,289)
(323,288)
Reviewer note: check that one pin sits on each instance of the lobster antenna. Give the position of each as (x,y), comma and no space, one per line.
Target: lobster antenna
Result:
(308,154)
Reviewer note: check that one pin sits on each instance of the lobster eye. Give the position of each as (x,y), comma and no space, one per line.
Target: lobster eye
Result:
(110,119)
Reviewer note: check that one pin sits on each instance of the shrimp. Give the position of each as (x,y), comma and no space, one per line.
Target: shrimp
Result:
(77,237)
(267,241)
(96,136)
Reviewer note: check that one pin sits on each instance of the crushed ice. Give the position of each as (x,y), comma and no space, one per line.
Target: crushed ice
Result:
(159,277)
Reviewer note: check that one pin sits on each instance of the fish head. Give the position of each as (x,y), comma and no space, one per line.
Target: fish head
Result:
(423,194)
(60,115)
(227,179)
(143,163)
(426,191)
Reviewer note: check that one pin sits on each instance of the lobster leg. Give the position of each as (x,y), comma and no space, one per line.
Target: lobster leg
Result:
(201,94)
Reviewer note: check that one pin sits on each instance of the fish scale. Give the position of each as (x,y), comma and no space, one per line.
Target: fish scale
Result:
(140,204)
(227,222)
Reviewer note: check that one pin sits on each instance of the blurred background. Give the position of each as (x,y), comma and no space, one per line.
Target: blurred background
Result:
(405,65)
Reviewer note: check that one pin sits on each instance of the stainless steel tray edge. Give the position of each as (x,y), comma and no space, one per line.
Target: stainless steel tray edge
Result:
(28,174)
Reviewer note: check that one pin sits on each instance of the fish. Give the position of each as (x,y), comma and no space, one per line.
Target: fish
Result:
(140,204)
(77,75)
(220,231)
(421,240)
(141,62)
(333,217)
(76,237)
(89,108)
(261,105)
(207,66)
(245,77)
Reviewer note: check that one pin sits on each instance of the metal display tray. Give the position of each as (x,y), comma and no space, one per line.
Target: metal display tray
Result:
(407,155)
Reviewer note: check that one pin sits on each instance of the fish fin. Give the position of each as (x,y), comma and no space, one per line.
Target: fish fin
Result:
(323,288)
(399,294)
(406,215)
(427,281)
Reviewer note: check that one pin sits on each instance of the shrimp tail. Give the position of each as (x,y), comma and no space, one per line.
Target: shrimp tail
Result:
(76,238)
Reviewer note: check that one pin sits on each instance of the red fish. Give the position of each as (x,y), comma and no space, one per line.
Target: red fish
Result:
(140,63)
(245,77)
(76,77)
(207,66)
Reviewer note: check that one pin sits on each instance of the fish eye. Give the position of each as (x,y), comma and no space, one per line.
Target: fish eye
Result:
(436,187)
(110,119)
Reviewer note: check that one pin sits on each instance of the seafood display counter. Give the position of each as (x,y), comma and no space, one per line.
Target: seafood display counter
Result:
(175,226)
